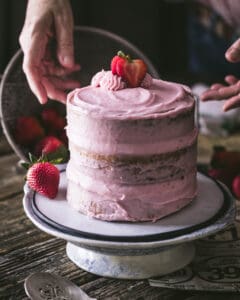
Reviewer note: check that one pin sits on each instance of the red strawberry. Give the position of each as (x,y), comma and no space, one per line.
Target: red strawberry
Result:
(222,158)
(60,123)
(52,148)
(43,177)
(132,71)
(49,115)
(224,175)
(236,186)
(47,145)
(117,65)
(63,137)
(28,130)
(53,120)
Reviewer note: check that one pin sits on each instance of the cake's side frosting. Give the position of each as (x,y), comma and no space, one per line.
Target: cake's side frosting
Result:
(133,151)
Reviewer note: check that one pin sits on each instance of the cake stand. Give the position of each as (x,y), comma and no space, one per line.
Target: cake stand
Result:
(133,250)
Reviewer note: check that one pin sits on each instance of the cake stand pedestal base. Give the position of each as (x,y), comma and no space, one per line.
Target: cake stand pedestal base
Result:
(133,250)
(131,263)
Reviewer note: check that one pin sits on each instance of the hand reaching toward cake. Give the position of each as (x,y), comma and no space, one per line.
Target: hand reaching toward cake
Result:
(47,43)
(221,92)
(231,91)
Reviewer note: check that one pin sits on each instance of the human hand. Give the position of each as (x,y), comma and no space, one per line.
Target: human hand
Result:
(233,52)
(47,43)
(231,93)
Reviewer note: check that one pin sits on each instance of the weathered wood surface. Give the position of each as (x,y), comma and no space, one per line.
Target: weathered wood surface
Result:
(24,249)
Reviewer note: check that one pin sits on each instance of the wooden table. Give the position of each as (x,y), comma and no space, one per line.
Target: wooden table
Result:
(24,249)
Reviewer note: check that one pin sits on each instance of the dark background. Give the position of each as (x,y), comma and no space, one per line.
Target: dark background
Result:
(167,31)
(157,27)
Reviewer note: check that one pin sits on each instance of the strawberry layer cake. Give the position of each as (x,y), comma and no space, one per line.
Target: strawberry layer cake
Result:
(132,149)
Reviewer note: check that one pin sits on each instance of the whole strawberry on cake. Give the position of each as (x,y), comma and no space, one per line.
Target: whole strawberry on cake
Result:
(132,143)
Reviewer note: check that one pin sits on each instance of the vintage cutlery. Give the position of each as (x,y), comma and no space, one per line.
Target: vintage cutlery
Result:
(47,286)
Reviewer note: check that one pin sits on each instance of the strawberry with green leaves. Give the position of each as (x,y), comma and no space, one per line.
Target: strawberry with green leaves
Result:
(43,177)
(132,71)
(52,148)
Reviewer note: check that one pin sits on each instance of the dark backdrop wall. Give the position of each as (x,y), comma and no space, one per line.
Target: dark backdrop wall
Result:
(157,27)
(12,14)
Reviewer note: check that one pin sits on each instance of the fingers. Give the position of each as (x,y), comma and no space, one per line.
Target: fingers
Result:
(232,103)
(222,93)
(216,86)
(68,84)
(229,91)
(35,82)
(230,79)
(219,91)
(52,69)
(233,53)
(64,36)
(56,87)
(43,20)
(33,40)
(53,92)
(211,95)
(33,52)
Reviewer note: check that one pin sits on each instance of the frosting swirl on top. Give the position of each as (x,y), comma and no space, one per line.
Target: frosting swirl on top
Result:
(111,82)
(160,100)
(107,80)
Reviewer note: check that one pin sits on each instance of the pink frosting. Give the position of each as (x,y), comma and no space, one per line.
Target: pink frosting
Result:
(130,203)
(108,81)
(134,123)
(93,112)
(147,81)
(162,99)
(95,82)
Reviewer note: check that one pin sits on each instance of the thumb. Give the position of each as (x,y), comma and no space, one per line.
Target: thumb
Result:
(233,53)
(64,36)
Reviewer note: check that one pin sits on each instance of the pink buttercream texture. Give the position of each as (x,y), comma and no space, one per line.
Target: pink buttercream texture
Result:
(147,81)
(108,81)
(161,100)
(131,123)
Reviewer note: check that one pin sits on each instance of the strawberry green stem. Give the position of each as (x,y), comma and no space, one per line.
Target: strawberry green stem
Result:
(123,55)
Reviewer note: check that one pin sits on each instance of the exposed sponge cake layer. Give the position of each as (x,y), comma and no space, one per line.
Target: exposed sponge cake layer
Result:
(127,170)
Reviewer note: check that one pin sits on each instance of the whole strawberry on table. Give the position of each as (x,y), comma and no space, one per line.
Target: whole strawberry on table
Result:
(43,176)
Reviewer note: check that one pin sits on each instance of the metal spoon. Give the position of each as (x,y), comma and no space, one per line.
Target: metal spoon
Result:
(46,286)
